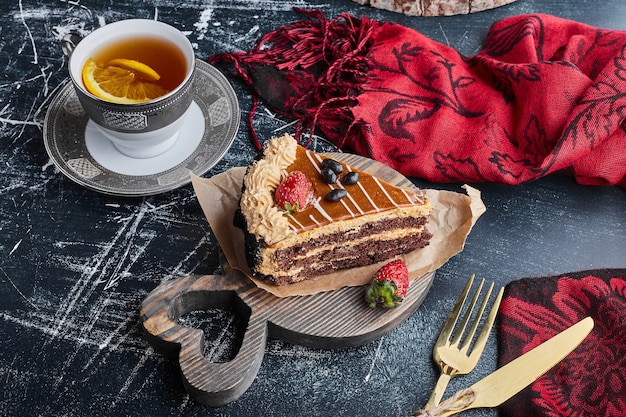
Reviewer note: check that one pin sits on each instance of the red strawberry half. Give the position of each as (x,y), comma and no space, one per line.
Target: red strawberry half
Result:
(294,193)
(389,285)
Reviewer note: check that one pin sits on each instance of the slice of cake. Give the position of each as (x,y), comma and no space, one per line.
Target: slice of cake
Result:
(339,217)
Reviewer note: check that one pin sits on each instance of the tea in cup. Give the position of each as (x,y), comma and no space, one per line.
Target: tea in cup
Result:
(134,79)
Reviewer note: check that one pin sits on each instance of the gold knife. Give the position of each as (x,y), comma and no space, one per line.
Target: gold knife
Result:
(516,375)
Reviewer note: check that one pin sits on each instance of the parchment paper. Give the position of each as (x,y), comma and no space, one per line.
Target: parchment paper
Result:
(452,218)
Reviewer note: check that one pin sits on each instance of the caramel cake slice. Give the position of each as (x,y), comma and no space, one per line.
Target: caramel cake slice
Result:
(350,218)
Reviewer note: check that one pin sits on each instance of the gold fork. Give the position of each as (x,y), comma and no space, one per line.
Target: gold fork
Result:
(453,359)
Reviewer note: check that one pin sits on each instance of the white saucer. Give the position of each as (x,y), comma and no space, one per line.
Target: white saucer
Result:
(83,154)
(107,155)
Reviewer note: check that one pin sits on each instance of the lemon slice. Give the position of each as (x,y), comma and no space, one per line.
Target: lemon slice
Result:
(120,84)
(137,67)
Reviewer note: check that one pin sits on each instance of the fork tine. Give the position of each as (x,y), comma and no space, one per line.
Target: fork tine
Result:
(466,317)
(470,334)
(481,340)
(448,326)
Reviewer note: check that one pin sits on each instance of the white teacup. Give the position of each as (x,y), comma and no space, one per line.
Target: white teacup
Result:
(145,129)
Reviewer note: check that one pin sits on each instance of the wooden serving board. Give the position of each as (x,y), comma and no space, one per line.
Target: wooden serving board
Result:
(331,319)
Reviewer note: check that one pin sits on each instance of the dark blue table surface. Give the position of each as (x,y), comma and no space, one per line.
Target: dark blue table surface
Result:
(76,264)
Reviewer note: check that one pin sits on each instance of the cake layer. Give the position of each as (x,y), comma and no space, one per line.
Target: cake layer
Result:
(333,257)
(371,243)
(416,216)
(391,229)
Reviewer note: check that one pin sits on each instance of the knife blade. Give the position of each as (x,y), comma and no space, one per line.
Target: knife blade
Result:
(502,384)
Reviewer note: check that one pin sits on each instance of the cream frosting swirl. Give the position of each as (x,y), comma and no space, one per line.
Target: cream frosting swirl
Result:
(263,217)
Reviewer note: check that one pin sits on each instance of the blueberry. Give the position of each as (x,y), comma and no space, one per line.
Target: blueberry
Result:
(350,178)
(333,165)
(336,195)
(329,176)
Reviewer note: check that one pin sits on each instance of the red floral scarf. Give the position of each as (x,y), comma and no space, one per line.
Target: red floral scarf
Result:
(544,95)
(591,381)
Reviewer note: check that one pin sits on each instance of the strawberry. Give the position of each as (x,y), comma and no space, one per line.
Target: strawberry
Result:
(389,285)
(294,192)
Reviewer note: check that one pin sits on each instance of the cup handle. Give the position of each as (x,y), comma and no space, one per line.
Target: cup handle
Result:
(69,42)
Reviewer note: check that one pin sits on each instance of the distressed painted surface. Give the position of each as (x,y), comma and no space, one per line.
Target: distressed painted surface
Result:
(75,264)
